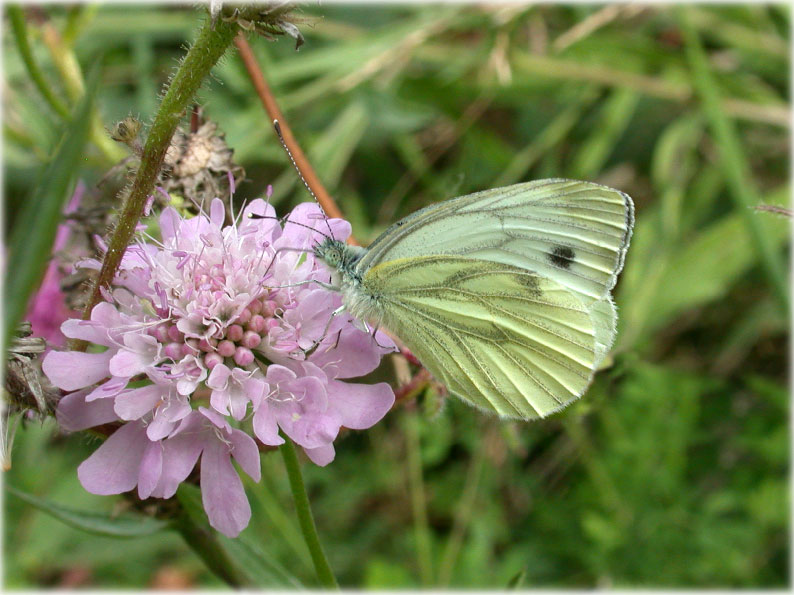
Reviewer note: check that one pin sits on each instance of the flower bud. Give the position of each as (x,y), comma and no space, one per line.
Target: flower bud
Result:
(243,356)
(251,339)
(257,323)
(212,359)
(226,348)
(174,333)
(244,316)
(234,333)
(174,351)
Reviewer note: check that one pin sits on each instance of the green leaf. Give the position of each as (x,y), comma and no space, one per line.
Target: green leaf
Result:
(707,266)
(661,284)
(93,522)
(614,118)
(31,240)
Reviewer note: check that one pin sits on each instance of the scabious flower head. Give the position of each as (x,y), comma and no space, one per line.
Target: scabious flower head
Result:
(214,337)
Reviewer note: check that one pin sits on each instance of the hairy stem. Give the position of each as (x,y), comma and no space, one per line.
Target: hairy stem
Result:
(206,51)
(304,511)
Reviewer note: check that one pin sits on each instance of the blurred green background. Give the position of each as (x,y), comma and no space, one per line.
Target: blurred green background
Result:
(672,471)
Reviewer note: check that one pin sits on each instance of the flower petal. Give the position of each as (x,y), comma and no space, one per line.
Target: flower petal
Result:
(71,370)
(354,355)
(150,469)
(217,212)
(169,224)
(360,406)
(180,454)
(246,453)
(266,426)
(115,466)
(322,455)
(108,389)
(222,491)
(219,377)
(104,319)
(160,427)
(138,402)
(140,352)
(75,414)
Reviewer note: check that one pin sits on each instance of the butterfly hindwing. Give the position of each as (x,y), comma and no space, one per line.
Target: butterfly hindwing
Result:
(502,338)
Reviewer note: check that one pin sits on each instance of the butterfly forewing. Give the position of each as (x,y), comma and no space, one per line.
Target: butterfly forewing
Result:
(575,233)
(500,337)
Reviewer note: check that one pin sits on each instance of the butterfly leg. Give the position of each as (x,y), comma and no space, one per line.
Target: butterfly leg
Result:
(375,330)
(328,286)
(334,314)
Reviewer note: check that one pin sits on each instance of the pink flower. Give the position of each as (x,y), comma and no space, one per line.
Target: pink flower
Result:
(214,336)
(47,308)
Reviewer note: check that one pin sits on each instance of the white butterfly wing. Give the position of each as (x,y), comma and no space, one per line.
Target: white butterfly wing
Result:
(502,338)
(504,295)
(575,233)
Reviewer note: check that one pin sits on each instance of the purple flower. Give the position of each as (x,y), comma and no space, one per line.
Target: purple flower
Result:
(211,337)
(47,308)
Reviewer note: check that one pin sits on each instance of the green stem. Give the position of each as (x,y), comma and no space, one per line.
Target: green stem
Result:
(206,51)
(20,29)
(205,544)
(733,162)
(464,512)
(416,484)
(302,507)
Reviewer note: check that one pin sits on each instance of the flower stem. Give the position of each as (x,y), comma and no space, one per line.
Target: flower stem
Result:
(206,546)
(321,566)
(206,51)
(416,485)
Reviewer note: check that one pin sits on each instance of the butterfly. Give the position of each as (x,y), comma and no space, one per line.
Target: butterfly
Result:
(503,295)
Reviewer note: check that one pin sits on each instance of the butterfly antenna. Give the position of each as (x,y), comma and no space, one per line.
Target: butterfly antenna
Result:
(277,127)
(287,220)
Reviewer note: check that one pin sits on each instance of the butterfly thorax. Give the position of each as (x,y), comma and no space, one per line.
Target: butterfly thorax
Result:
(342,259)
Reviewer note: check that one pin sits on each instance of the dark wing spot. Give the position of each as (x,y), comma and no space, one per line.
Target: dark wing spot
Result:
(561,256)
(530,281)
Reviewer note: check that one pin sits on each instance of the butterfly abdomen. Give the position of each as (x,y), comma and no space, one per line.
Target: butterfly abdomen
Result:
(360,301)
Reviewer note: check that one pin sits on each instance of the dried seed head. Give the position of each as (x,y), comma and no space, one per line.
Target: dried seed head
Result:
(268,20)
(126,131)
(197,165)
(28,393)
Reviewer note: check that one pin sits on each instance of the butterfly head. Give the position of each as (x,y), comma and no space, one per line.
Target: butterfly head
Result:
(338,255)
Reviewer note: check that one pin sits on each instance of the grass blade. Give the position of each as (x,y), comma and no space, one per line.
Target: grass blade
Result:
(734,163)
(31,240)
